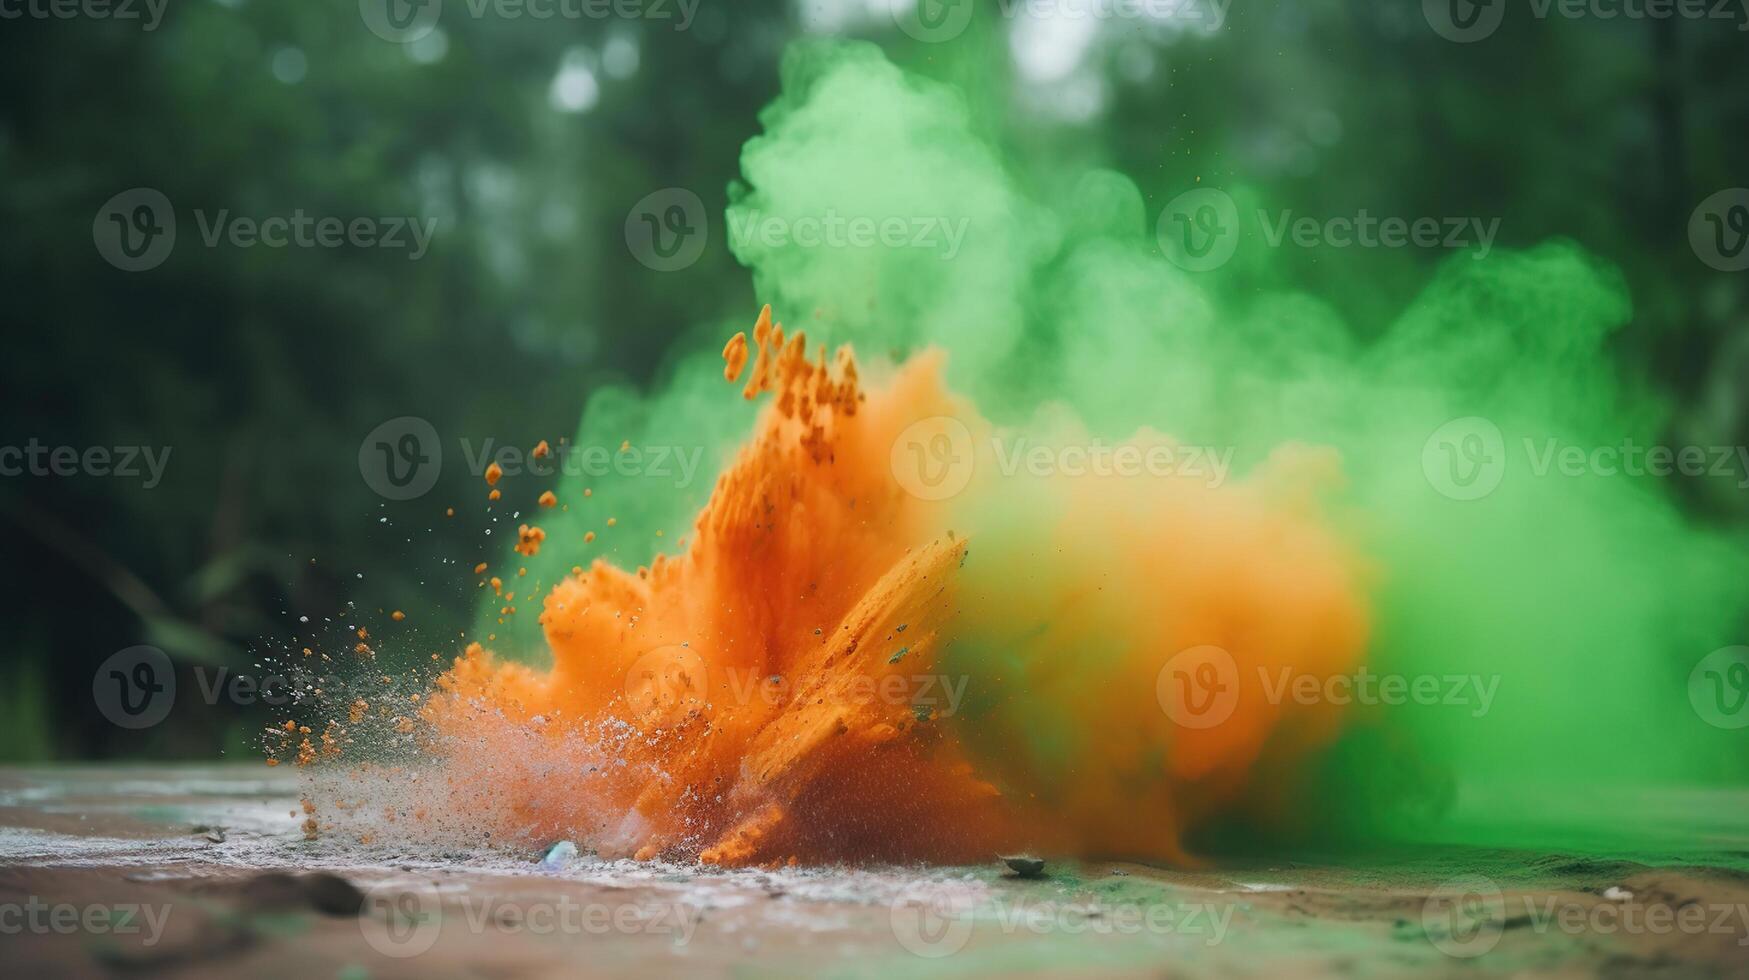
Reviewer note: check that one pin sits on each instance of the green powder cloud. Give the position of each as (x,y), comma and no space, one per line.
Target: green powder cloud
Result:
(1578,604)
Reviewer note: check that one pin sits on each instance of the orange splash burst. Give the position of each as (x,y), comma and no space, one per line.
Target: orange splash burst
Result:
(755,698)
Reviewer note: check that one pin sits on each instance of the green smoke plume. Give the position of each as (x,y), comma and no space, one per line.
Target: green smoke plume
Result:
(1577,605)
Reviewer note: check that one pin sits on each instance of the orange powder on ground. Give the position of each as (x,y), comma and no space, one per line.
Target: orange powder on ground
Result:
(758,699)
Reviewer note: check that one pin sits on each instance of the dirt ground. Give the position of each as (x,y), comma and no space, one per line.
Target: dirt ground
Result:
(202,871)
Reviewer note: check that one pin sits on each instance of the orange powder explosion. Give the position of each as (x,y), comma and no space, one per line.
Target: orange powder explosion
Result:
(761,697)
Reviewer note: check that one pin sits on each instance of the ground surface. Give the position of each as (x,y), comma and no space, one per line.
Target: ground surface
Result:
(201,871)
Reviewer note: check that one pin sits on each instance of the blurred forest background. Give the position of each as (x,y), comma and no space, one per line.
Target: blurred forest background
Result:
(529,139)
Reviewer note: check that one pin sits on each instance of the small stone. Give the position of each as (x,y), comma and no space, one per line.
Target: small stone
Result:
(558,856)
(1025,865)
